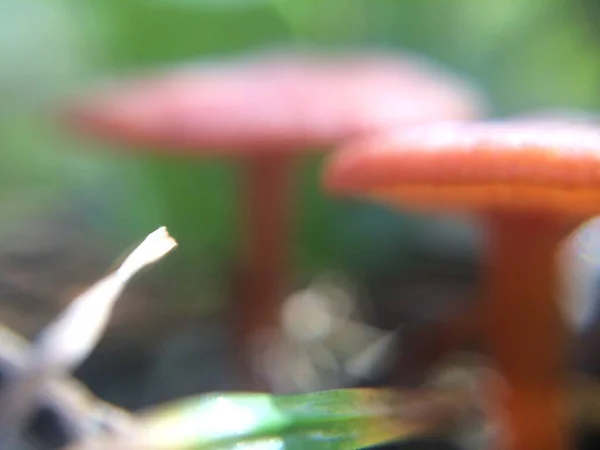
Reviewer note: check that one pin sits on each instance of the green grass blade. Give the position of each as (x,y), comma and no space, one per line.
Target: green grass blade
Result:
(330,420)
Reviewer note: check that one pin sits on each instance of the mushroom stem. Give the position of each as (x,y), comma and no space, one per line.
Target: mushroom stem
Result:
(525,330)
(266,191)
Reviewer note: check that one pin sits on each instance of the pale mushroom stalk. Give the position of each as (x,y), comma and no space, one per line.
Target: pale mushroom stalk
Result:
(72,336)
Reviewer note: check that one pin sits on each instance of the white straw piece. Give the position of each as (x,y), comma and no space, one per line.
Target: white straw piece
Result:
(71,337)
(81,411)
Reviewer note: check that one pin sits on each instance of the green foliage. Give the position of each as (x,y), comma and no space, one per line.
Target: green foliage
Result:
(330,420)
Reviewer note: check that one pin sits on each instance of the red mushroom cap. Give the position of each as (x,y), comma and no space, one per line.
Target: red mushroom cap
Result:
(274,102)
(529,166)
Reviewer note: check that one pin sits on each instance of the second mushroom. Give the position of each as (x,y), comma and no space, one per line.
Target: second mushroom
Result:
(530,184)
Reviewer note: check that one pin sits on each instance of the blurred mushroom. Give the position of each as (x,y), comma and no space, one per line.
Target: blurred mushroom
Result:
(531,184)
(266,110)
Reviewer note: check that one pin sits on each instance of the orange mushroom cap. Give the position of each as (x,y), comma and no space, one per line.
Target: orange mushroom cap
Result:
(275,101)
(528,166)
